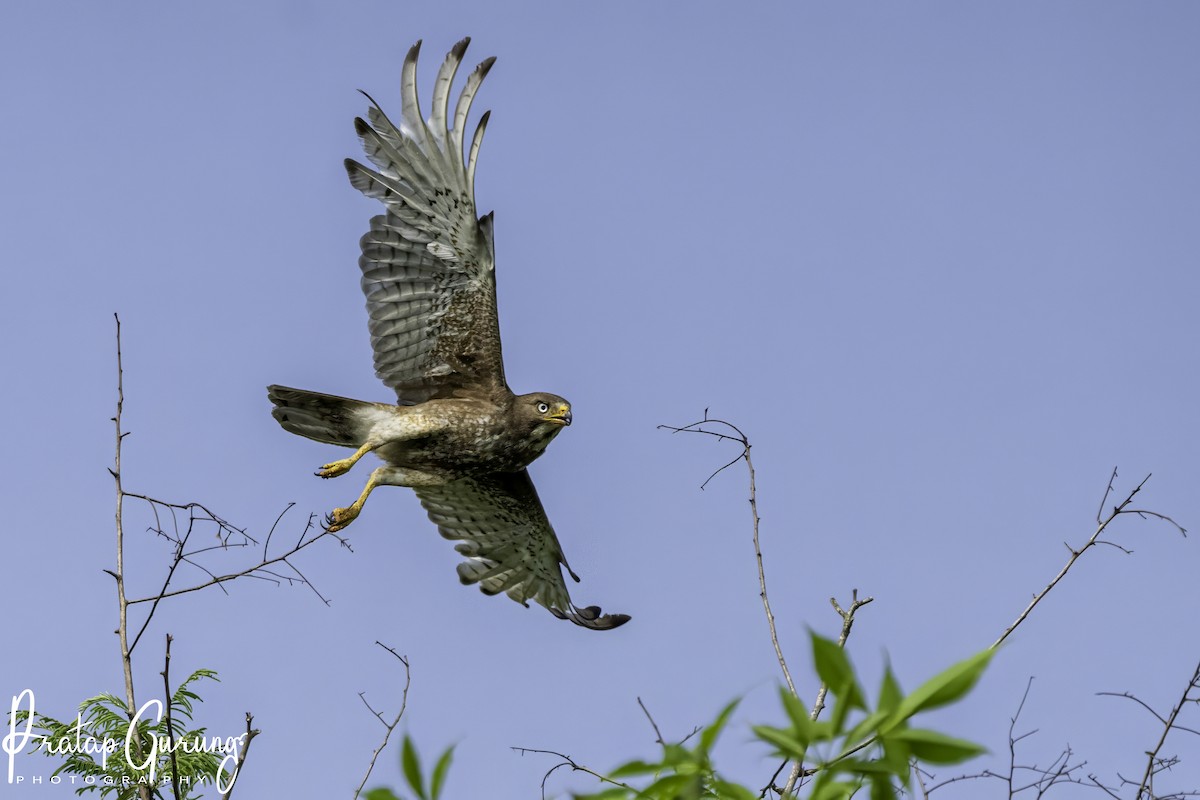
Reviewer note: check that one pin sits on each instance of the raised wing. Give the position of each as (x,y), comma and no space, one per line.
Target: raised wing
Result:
(428,264)
(509,544)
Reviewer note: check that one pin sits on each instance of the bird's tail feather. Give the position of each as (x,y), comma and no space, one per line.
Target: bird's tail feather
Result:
(323,417)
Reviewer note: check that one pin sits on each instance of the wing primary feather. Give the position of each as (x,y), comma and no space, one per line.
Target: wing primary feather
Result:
(476,142)
(382,187)
(463,107)
(441,90)
(386,130)
(389,156)
(410,106)
(487,230)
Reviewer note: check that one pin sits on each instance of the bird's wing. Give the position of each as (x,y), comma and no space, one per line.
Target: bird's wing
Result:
(428,264)
(510,547)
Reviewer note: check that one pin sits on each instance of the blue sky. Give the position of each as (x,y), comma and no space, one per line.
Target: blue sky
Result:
(938,260)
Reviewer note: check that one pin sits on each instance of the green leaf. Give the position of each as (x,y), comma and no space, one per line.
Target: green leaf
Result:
(936,748)
(890,693)
(708,736)
(412,768)
(615,793)
(674,755)
(832,663)
(896,756)
(945,687)
(834,790)
(732,791)
(882,789)
(672,786)
(380,794)
(783,740)
(866,728)
(839,712)
(633,768)
(439,773)
(797,713)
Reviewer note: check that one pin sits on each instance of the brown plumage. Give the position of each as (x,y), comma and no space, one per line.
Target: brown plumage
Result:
(458,436)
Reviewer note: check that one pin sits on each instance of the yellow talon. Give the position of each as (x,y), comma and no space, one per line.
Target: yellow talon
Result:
(335,468)
(339,518)
(342,466)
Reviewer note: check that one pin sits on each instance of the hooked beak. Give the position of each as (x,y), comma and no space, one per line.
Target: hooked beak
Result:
(561,415)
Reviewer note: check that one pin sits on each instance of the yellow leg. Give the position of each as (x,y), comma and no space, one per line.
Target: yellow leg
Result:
(341,467)
(339,518)
(382,476)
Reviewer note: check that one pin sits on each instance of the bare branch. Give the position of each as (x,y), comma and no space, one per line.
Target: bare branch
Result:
(741,439)
(1153,762)
(1104,499)
(1102,524)
(388,726)
(847,624)
(251,732)
(657,733)
(1140,702)
(818,706)
(311,535)
(119,574)
(567,761)
(1021,778)
(166,676)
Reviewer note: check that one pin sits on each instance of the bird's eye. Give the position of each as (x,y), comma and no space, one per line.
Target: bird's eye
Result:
(542,408)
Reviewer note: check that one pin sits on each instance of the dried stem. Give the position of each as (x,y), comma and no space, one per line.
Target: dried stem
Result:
(166,676)
(119,574)
(179,535)
(251,732)
(567,761)
(259,570)
(658,737)
(1102,525)
(740,438)
(1154,763)
(1020,778)
(847,616)
(819,704)
(388,726)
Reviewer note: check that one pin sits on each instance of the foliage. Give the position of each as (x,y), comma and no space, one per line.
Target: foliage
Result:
(857,746)
(880,748)
(410,762)
(680,772)
(93,747)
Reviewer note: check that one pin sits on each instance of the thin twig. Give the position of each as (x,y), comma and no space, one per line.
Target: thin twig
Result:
(567,761)
(819,704)
(657,733)
(166,676)
(740,438)
(1169,724)
(251,732)
(1041,779)
(847,624)
(388,726)
(847,616)
(1102,524)
(217,580)
(119,574)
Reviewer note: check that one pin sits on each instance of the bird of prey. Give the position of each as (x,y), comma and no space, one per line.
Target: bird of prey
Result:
(457,435)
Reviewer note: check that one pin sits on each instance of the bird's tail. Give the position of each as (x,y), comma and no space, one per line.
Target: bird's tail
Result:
(323,417)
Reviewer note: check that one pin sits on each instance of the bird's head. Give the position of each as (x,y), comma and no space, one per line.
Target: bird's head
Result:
(546,414)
